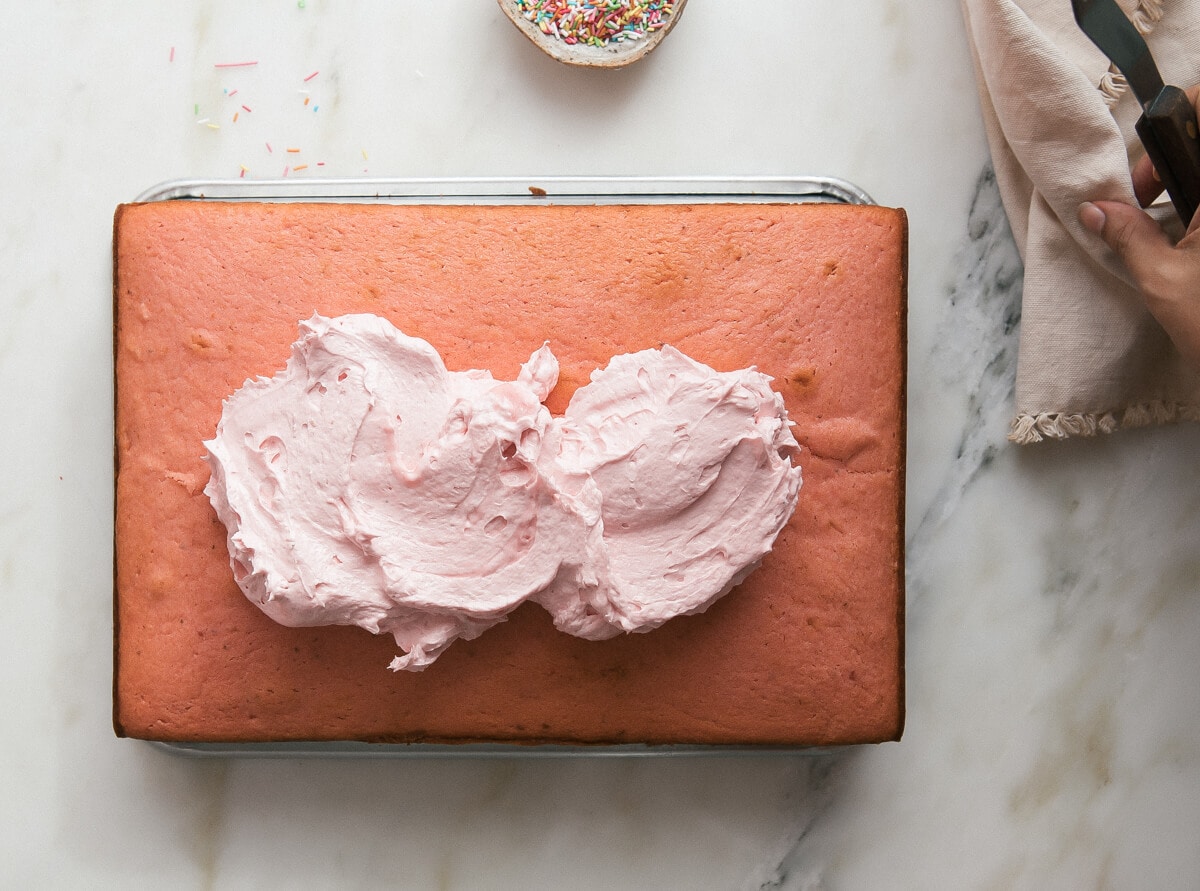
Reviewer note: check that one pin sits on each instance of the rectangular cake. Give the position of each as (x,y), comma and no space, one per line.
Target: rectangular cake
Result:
(808,651)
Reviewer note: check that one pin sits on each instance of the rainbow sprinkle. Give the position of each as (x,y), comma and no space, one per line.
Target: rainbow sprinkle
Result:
(597,22)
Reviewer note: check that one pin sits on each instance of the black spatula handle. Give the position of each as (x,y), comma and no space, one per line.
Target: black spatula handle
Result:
(1169,131)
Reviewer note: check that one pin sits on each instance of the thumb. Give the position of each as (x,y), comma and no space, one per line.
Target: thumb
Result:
(1132,234)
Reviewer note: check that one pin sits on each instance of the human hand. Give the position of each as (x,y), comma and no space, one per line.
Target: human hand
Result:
(1167,275)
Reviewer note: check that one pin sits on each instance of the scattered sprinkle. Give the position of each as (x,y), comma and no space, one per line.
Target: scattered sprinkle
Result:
(364,153)
(299,4)
(171,57)
(208,122)
(597,22)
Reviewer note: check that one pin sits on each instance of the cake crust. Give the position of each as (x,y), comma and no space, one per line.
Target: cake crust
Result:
(807,651)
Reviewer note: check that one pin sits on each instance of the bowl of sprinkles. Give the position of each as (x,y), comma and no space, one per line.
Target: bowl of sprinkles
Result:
(594,33)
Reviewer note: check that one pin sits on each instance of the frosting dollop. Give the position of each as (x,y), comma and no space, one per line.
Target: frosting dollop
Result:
(365,484)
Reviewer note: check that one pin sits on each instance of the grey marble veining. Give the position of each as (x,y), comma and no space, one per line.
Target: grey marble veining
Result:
(974,355)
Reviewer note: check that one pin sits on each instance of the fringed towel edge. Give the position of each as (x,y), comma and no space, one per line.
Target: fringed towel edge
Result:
(1029,428)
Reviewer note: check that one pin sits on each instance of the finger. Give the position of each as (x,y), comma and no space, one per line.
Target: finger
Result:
(1146,184)
(1133,236)
(1167,276)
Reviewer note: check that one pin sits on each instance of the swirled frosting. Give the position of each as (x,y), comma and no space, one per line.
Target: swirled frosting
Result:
(365,484)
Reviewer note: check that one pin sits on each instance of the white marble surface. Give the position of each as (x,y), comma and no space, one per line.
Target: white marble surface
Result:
(1053,738)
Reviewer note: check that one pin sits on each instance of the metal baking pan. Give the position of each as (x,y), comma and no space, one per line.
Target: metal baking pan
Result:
(499,191)
(521,190)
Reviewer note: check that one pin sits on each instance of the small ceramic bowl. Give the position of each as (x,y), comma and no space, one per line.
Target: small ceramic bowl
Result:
(613,54)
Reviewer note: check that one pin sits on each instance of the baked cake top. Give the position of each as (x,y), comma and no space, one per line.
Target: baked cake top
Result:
(807,651)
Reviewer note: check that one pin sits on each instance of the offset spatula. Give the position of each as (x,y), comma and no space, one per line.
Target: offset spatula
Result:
(1167,127)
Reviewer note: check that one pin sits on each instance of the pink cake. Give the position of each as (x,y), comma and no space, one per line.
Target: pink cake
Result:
(807,651)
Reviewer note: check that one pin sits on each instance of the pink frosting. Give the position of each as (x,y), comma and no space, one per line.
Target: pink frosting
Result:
(365,484)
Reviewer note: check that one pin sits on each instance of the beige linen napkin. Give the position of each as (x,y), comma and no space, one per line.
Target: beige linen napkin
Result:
(1060,124)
